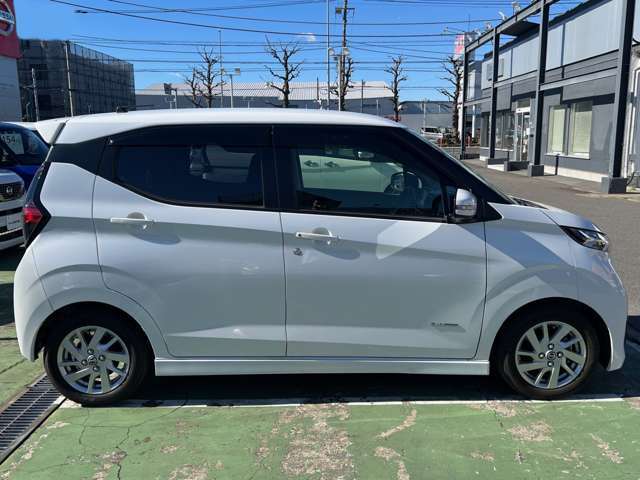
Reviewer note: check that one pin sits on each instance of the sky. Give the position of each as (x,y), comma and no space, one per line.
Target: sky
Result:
(162,37)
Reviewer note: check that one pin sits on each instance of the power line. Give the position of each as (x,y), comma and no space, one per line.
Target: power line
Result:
(201,12)
(246,30)
(163,50)
(249,43)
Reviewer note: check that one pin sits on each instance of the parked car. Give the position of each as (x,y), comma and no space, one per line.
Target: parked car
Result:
(29,126)
(202,242)
(11,201)
(432,134)
(23,150)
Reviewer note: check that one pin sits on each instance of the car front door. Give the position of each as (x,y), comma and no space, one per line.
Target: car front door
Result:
(373,268)
(187,227)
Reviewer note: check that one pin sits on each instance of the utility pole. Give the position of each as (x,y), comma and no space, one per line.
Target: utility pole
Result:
(221,69)
(361,96)
(66,53)
(34,86)
(344,10)
(340,58)
(328,56)
(424,113)
(236,71)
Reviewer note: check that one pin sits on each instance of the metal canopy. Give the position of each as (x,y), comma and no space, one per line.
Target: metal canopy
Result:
(509,23)
(520,28)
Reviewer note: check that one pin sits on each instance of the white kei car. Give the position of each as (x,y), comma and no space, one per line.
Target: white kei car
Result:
(215,242)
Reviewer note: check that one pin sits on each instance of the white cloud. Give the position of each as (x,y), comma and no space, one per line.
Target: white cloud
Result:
(309,37)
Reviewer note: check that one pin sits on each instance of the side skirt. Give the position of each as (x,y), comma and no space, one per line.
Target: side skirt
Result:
(270,365)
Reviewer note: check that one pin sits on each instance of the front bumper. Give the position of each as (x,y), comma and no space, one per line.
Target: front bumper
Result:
(600,287)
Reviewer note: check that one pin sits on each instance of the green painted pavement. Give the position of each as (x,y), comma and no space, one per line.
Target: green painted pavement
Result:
(504,440)
(15,371)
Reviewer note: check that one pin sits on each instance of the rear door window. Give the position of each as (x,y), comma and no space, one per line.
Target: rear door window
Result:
(206,169)
(24,145)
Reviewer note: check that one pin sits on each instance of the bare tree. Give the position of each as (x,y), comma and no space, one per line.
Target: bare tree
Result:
(204,80)
(290,70)
(343,83)
(194,93)
(397,77)
(454,68)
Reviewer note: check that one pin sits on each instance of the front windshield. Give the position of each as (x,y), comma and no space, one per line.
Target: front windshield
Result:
(27,148)
(480,178)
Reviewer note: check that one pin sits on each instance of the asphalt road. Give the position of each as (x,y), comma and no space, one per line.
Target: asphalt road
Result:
(617,215)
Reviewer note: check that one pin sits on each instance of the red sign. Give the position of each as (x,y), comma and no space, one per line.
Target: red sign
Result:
(9,44)
(458,48)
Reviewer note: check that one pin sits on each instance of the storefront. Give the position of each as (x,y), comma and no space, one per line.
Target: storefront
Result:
(10,108)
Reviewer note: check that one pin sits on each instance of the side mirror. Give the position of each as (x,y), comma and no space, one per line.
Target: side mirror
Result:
(466,204)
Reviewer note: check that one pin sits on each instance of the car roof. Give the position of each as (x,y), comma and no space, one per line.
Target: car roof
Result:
(89,127)
(27,125)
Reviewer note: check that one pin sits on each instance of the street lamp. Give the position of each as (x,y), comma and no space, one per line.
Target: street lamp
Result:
(236,72)
(340,57)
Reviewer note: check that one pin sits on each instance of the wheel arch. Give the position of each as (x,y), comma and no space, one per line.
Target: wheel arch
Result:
(73,308)
(604,336)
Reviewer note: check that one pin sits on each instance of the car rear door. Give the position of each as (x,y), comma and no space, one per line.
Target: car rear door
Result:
(373,267)
(187,227)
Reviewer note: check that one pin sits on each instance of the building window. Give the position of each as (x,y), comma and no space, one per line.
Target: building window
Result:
(574,119)
(557,116)
(580,138)
(508,131)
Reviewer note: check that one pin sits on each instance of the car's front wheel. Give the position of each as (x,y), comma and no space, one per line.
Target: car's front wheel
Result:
(548,353)
(95,358)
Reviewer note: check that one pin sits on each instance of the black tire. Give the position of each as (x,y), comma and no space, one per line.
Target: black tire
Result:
(140,357)
(505,358)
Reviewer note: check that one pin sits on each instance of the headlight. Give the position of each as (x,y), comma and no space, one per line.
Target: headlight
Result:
(588,238)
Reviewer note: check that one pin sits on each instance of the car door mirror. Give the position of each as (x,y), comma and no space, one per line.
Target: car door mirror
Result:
(465,204)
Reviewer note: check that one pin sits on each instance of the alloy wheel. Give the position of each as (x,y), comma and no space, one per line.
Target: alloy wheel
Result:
(93,360)
(551,355)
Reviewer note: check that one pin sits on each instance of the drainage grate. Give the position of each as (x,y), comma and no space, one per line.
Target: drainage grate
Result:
(25,414)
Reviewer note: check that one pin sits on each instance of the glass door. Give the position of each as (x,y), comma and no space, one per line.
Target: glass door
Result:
(522,131)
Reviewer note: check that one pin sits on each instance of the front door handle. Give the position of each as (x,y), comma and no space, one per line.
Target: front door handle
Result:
(132,219)
(328,237)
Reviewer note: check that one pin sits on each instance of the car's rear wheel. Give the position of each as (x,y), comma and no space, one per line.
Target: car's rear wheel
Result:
(548,353)
(95,358)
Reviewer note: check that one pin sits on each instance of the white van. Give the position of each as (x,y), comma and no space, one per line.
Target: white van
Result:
(216,242)
(11,201)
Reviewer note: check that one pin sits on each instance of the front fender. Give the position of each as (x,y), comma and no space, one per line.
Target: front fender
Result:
(529,258)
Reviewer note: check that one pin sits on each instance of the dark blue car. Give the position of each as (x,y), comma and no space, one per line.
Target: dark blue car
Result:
(21,150)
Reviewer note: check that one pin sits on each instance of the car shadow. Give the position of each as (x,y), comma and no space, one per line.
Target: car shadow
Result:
(274,390)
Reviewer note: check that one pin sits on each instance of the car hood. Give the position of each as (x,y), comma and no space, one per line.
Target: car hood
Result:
(7,176)
(559,216)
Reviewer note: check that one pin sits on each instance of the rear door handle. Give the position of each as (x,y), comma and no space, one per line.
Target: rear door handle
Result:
(132,219)
(322,237)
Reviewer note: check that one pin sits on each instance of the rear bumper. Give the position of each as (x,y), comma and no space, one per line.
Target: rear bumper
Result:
(30,304)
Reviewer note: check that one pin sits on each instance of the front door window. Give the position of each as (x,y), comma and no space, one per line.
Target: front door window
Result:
(355,178)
